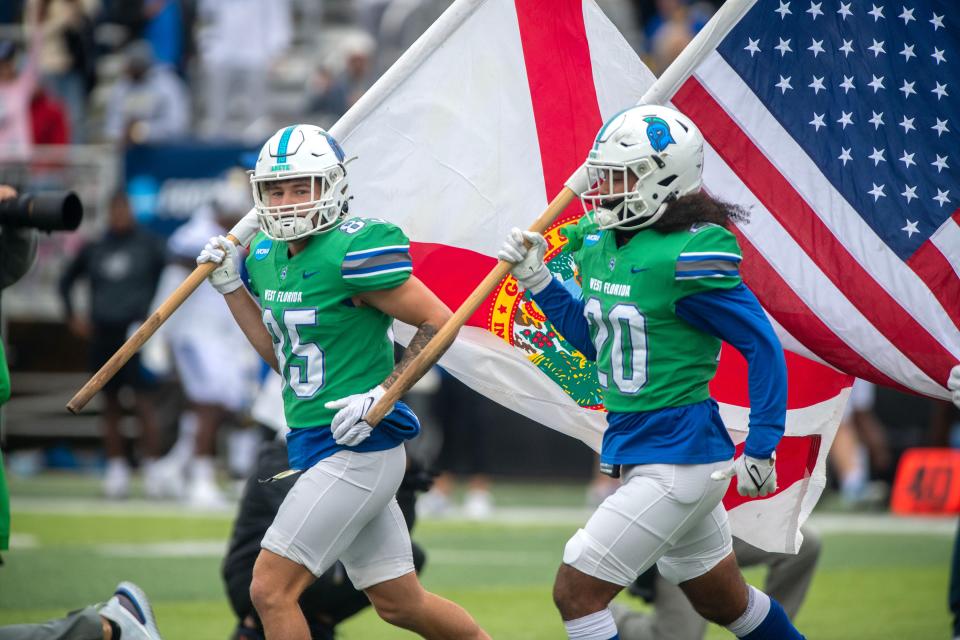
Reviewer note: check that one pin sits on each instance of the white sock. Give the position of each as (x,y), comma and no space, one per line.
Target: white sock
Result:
(202,469)
(596,626)
(183,448)
(758,606)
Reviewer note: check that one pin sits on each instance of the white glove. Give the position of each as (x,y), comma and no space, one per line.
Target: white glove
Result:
(953,383)
(226,277)
(578,182)
(348,426)
(246,227)
(528,267)
(754,477)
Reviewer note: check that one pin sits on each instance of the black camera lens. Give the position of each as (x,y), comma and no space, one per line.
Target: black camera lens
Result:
(53,211)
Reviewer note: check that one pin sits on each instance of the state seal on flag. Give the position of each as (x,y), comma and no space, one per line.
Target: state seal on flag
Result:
(517,319)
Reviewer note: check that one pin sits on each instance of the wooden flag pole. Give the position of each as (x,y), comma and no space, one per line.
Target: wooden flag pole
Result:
(448,332)
(142,334)
(241,235)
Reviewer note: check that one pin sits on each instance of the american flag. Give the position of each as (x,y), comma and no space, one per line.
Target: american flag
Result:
(836,124)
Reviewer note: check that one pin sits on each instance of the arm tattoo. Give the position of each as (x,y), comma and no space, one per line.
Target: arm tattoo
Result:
(424,334)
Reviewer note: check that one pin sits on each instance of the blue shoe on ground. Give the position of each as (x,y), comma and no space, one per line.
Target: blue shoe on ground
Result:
(130,610)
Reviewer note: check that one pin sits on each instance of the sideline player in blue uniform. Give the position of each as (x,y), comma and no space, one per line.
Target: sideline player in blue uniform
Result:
(661,289)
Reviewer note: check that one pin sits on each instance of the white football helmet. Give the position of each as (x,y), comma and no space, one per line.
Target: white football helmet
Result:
(658,145)
(300,151)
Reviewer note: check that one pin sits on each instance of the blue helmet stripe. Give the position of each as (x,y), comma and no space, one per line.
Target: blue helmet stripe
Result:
(282,146)
(335,146)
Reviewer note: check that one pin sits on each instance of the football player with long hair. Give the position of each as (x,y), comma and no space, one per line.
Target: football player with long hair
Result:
(661,290)
(327,288)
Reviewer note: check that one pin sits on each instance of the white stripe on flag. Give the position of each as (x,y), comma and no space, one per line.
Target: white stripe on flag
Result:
(947,240)
(891,273)
(804,277)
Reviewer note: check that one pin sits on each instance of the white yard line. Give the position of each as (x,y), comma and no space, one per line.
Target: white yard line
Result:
(824,522)
(883,524)
(179,549)
(20,541)
(477,557)
(98,507)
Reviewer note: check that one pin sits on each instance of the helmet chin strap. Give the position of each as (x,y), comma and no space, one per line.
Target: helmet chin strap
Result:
(615,213)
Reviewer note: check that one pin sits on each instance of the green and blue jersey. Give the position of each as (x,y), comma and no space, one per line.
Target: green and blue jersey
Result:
(653,313)
(327,347)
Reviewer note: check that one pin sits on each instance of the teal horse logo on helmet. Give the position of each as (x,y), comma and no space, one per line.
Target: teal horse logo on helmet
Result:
(658,131)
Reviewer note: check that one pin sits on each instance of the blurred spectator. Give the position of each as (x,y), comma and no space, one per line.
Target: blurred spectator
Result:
(16,92)
(463,415)
(655,13)
(217,367)
(400,23)
(238,41)
(66,60)
(945,424)
(674,618)
(48,119)
(370,14)
(164,31)
(668,32)
(10,11)
(859,447)
(669,25)
(667,43)
(123,268)
(334,94)
(130,15)
(149,103)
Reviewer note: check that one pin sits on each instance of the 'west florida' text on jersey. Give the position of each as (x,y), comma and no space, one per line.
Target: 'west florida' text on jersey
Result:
(327,347)
(655,310)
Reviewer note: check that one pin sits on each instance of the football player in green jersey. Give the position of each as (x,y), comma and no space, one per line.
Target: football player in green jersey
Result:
(327,289)
(661,289)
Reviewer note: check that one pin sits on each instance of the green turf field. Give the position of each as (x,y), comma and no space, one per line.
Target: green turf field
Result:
(73,550)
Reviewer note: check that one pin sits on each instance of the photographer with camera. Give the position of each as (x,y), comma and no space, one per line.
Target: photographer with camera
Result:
(18,247)
(127,614)
(20,218)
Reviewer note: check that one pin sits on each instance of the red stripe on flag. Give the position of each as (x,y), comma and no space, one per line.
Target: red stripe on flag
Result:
(560,75)
(452,274)
(808,382)
(938,274)
(795,316)
(796,459)
(805,227)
